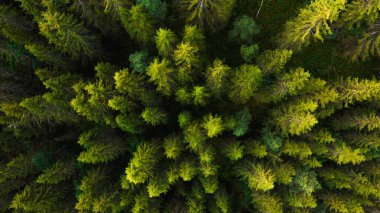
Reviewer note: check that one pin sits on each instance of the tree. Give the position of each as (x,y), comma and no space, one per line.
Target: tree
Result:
(187,59)
(244,29)
(194,36)
(39,198)
(216,77)
(138,24)
(289,84)
(154,116)
(244,82)
(156,8)
(211,15)
(200,95)
(249,52)
(99,148)
(165,42)
(162,75)
(189,120)
(144,160)
(311,24)
(297,118)
(258,177)
(274,61)
(241,122)
(139,61)
(67,34)
(213,125)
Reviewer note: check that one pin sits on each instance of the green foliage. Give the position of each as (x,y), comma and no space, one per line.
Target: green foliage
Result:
(274,61)
(200,95)
(165,42)
(273,142)
(184,119)
(257,176)
(194,36)
(234,150)
(173,146)
(211,15)
(297,118)
(154,116)
(162,75)
(141,166)
(213,125)
(59,171)
(38,198)
(151,106)
(305,181)
(156,8)
(138,24)
(249,52)
(242,121)
(267,203)
(186,58)
(244,82)
(216,77)
(67,34)
(311,24)
(139,61)
(194,136)
(244,29)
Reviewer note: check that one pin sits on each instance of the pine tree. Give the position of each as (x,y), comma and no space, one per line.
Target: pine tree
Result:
(258,177)
(161,74)
(213,125)
(39,198)
(100,148)
(244,82)
(154,116)
(249,52)
(67,34)
(311,24)
(210,15)
(216,77)
(274,61)
(187,59)
(171,120)
(137,23)
(144,160)
(156,9)
(139,61)
(165,42)
(244,29)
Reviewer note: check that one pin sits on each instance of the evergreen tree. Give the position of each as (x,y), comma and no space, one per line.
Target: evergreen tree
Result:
(165,42)
(312,23)
(243,30)
(97,118)
(137,23)
(244,82)
(210,15)
(67,34)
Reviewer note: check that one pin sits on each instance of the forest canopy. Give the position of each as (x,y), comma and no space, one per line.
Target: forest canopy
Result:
(190,106)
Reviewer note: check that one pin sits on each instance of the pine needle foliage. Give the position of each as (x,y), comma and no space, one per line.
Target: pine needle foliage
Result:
(189,106)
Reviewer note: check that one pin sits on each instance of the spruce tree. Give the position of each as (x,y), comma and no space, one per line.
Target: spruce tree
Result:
(120,106)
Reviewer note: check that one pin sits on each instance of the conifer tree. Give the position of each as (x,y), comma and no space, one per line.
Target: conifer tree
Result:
(67,34)
(97,118)
(165,42)
(162,75)
(210,15)
(244,28)
(311,24)
(244,82)
(138,24)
